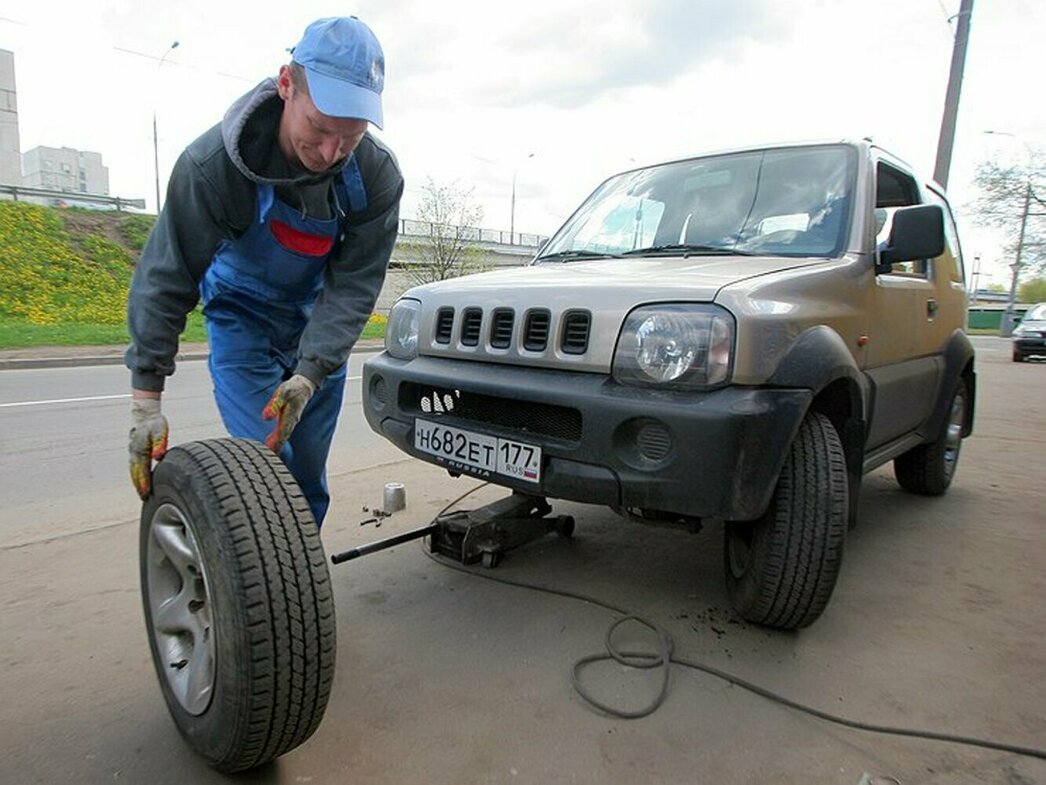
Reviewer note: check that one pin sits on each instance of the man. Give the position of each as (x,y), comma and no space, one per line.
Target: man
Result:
(282,218)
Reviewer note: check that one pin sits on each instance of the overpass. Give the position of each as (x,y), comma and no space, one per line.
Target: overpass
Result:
(494,247)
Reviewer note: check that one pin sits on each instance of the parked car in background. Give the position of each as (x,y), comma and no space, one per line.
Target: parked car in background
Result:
(1029,337)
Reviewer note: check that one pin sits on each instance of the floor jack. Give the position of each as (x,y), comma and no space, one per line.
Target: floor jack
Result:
(480,535)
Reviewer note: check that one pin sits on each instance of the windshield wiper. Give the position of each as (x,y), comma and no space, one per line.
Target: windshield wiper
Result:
(686,249)
(569,256)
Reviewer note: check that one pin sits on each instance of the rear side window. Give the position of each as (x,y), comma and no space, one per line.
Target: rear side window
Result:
(951,235)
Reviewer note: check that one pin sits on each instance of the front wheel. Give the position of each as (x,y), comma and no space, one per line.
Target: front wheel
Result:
(238,603)
(928,469)
(782,568)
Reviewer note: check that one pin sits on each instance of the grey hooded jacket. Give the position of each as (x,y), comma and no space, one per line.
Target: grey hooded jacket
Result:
(212,196)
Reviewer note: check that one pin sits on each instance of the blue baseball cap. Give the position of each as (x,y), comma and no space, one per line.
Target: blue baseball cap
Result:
(344,66)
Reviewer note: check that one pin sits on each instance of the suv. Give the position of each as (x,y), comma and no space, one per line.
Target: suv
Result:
(738,336)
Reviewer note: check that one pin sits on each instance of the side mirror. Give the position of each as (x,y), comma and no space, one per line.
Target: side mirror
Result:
(917,233)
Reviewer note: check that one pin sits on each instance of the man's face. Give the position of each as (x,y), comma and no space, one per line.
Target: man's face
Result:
(307,136)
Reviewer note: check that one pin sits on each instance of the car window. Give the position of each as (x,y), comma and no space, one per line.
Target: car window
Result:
(951,234)
(793,202)
(895,189)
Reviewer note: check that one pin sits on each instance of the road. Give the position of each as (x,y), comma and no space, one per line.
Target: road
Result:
(937,623)
(63,443)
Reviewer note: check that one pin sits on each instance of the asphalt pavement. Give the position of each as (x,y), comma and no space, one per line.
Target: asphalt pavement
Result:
(936,623)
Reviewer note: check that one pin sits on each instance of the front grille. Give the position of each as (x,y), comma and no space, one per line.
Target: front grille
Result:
(535,333)
(558,422)
(444,324)
(470,326)
(575,332)
(501,328)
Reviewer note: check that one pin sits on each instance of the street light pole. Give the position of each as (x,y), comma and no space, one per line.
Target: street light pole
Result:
(512,217)
(156,138)
(1010,314)
(1008,317)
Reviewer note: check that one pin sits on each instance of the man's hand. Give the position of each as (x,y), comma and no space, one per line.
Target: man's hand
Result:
(148,442)
(286,405)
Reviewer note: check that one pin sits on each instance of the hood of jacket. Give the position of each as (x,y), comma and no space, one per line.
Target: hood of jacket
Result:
(250,131)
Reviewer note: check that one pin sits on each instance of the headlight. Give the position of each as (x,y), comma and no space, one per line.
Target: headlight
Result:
(1018,332)
(401,333)
(681,347)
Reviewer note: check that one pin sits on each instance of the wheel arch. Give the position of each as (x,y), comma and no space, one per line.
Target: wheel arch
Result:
(959,359)
(820,360)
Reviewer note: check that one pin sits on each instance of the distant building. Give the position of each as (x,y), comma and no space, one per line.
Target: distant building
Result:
(65,169)
(10,155)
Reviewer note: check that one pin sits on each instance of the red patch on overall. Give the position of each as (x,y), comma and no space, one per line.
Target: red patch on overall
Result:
(300,242)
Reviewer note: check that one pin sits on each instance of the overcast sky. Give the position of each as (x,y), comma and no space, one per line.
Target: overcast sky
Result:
(589,87)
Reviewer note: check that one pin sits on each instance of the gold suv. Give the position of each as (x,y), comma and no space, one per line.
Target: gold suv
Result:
(738,336)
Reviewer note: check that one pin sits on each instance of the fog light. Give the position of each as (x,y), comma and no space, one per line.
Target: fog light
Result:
(654,441)
(379,393)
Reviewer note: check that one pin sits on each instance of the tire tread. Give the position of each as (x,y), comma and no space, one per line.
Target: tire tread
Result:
(805,531)
(286,598)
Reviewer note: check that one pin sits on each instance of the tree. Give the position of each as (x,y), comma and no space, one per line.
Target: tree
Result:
(451,248)
(1033,291)
(1006,192)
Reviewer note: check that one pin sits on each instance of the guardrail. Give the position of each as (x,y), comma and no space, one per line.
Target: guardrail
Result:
(408,227)
(425,229)
(70,197)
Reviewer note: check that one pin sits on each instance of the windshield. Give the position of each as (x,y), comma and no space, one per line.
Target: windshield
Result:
(1037,313)
(786,202)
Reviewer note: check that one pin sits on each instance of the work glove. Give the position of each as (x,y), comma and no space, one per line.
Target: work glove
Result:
(286,406)
(148,442)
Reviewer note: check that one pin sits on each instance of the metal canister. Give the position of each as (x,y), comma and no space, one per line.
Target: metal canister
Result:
(395,497)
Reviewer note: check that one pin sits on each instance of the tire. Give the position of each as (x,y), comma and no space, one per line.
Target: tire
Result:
(929,468)
(1018,357)
(238,603)
(782,568)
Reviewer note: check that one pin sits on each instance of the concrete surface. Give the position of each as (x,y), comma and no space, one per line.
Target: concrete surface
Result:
(937,623)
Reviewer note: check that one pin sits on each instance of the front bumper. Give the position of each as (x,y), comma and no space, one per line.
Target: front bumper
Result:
(1032,343)
(710,454)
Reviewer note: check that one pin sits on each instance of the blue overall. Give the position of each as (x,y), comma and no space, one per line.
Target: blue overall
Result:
(258,295)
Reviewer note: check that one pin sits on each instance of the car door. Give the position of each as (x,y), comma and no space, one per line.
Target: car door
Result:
(902,359)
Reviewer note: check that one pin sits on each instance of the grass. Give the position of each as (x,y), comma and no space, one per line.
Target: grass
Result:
(20,333)
(64,276)
(982,330)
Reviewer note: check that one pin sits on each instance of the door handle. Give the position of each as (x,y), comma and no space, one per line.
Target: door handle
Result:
(931,308)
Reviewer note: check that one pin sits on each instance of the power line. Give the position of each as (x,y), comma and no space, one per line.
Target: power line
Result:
(154,58)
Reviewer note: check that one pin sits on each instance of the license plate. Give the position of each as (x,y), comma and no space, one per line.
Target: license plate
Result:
(465,449)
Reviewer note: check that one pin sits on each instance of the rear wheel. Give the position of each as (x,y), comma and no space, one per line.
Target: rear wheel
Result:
(238,603)
(782,568)
(928,469)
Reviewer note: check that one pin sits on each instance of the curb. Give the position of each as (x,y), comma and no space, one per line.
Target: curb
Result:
(72,360)
(28,363)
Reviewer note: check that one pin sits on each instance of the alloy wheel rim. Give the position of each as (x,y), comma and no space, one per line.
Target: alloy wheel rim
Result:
(953,434)
(181,609)
(739,548)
